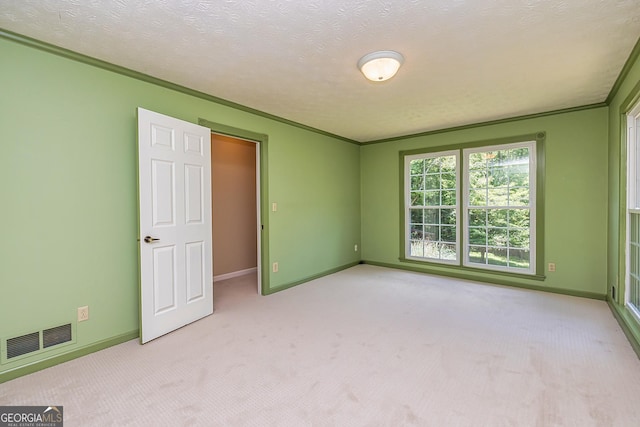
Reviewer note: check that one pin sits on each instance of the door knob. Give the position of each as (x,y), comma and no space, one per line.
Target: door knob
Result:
(149,239)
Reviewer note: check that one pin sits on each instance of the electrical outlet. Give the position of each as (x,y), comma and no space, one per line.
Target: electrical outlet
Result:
(355,248)
(275,267)
(83,313)
(552,267)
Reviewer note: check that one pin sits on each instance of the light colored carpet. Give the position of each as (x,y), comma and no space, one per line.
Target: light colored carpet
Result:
(364,347)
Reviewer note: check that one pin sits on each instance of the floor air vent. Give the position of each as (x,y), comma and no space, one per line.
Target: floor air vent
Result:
(30,343)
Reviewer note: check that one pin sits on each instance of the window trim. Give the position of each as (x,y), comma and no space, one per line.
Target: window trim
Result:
(538,270)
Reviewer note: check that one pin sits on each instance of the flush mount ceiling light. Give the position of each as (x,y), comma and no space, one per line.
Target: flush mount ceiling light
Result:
(380,66)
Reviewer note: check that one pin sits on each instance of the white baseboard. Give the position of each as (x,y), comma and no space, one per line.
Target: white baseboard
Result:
(234,274)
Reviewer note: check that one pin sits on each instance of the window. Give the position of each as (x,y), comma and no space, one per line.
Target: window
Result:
(499,197)
(433,206)
(473,206)
(632,292)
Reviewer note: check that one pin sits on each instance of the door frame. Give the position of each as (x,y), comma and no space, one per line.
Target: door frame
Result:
(262,190)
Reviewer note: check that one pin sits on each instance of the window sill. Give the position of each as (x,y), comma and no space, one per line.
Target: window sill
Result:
(463,272)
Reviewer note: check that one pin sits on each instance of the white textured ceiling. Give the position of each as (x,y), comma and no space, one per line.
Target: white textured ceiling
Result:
(466,61)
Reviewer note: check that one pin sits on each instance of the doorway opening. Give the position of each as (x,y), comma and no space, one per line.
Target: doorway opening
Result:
(260,206)
(235,201)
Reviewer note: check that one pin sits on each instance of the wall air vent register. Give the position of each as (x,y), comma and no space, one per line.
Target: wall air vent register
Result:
(36,342)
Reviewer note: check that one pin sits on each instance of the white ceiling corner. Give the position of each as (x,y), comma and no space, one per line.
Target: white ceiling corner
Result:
(466,61)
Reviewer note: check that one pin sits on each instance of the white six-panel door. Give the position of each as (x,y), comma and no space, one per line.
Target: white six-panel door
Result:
(174,164)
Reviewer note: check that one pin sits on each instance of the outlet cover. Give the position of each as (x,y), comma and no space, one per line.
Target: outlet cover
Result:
(83,313)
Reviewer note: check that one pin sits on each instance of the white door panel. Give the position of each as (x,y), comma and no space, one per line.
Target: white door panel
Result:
(175,210)
(163,193)
(193,177)
(164,279)
(195,271)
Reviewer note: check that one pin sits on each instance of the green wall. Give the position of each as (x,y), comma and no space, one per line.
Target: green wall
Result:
(69,196)
(627,92)
(575,202)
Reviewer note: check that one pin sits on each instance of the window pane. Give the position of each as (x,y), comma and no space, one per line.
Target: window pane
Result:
(519,155)
(519,238)
(432,198)
(431,232)
(498,177)
(497,256)
(518,177)
(448,165)
(448,216)
(478,178)
(448,198)
(417,248)
(431,216)
(477,254)
(448,251)
(417,198)
(519,258)
(497,196)
(519,218)
(477,217)
(478,236)
(417,167)
(498,217)
(432,165)
(417,232)
(519,196)
(432,182)
(448,234)
(477,161)
(448,180)
(497,237)
(491,158)
(478,198)
(416,216)
(417,182)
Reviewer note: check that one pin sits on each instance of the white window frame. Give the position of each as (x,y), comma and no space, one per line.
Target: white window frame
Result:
(633,197)
(531,145)
(407,203)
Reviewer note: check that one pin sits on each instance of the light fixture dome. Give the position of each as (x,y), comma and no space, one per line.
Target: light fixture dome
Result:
(380,66)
